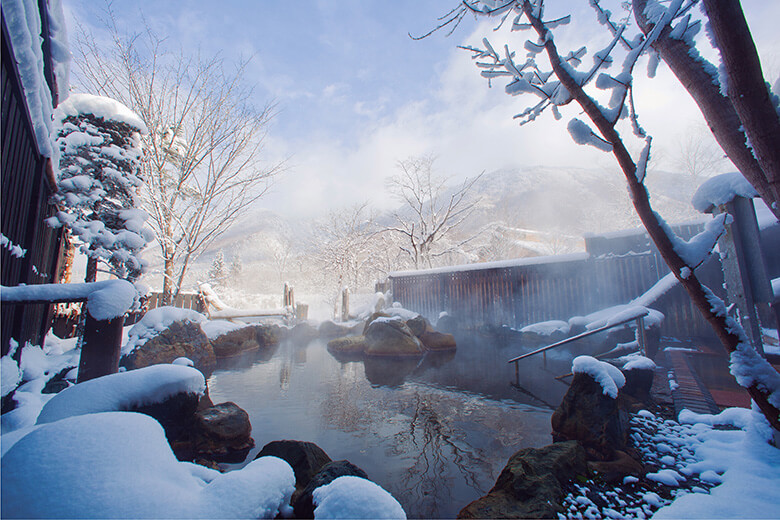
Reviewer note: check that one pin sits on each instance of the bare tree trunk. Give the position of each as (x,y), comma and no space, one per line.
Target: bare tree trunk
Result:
(746,88)
(168,273)
(651,221)
(722,118)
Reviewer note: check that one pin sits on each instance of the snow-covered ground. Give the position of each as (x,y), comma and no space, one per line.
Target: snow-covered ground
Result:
(708,466)
(705,466)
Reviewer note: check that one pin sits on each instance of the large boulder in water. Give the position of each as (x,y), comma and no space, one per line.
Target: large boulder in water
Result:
(347,346)
(533,483)
(305,458)
(235,342)
(428,336)
(391,337)
(592,417)
(180,339)
(222,433)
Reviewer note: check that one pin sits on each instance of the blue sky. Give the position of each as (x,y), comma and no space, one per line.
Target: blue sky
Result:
(355,94)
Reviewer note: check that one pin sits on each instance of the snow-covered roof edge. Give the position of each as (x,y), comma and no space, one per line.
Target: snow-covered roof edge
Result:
(535,260)
(23,22)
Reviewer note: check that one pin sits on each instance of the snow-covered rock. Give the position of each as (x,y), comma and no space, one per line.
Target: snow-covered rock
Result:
(119,465)
(605,374)
(123,391)
(355,497)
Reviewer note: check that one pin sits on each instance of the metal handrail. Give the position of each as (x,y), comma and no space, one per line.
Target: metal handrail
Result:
(640,336)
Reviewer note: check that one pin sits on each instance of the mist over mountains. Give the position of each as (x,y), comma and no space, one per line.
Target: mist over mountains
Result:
(538,210)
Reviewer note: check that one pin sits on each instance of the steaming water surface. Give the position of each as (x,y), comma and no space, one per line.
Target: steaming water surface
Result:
(435,433)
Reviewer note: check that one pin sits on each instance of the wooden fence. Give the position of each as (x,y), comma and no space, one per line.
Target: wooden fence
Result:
(26,188)
(516,294)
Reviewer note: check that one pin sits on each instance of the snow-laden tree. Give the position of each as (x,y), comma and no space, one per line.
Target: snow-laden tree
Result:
(345,250)
(218,269)
(203,164)
(556,78)
(235,269)
(430,211)
(98,178)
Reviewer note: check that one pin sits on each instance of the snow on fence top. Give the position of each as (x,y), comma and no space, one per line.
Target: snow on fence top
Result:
(100,107)
(106,300)
(608,376)
(500,264)
(721,189)
(123,391)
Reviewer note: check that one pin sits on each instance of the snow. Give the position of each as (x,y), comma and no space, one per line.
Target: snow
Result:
(776,288)
(105,300)
(124,390)
(536,260)
(638,363)
(721,189)
(10,374)
(58,470)
(216,328)
(355,497)
(23,21)
(397,311)
(100,107)
(608,376)
(546,328)
(16,250)
(742,461)
(581,133)
(60,48)
(156,321)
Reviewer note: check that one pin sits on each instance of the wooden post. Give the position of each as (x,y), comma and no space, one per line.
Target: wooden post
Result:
(640,334)
(345,304)
(101,347)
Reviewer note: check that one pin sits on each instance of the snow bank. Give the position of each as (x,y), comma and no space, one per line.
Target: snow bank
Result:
(608,376)
(156,321)
(355,497)
(37,367)
(105,300)
(397,310)
(216,328)
(742,461)
(122,391)
(636,362)
(119,465)
(722,189)
(547,328)
(616,314)
(100,107)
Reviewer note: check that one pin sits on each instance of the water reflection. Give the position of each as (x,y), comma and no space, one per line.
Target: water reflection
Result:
(434,431)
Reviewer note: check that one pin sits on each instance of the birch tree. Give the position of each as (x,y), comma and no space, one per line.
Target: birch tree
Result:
(203,165)
(556,78)
(429,213)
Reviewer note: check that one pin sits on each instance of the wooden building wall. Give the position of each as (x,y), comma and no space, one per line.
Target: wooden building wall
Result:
(25,190)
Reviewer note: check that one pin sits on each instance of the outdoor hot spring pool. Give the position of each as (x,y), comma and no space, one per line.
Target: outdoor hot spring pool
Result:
(434,433)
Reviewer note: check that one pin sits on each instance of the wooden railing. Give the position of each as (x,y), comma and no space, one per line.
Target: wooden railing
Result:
(102,341)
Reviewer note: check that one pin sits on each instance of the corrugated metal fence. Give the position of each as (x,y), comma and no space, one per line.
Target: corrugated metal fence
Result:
(551,288)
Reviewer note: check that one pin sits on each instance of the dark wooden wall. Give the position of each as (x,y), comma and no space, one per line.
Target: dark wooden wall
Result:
(25,190)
